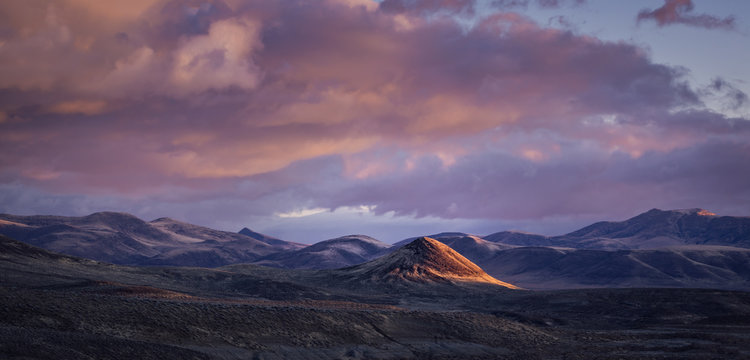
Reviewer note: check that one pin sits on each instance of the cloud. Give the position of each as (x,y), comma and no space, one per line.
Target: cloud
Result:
(450,6)
(572,182)
(258,88)
(558,3)
(84,107)
(466,7)
(301,213)
(266,107)
(218,60)
(734,98)
(679,12)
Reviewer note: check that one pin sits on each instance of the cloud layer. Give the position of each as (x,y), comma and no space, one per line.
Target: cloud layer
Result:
(243,109)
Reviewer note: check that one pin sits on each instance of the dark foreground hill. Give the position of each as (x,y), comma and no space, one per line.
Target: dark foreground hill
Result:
(55,306)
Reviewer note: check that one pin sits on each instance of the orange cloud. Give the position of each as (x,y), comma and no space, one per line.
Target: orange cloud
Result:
(85,107)
(247,159)
(332,106)
(453,114)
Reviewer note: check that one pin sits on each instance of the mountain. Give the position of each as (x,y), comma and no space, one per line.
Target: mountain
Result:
(438,236)
(714,267)
(518,238)
(271,240)
(658,228)
(112,237)
(652,229)
(329,254)
(121,238)
(424,260)
(658,248)
(471,246)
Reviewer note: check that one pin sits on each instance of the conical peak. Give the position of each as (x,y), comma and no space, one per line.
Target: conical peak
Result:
(426,244)
(426,259)
(429,253)
(248,232)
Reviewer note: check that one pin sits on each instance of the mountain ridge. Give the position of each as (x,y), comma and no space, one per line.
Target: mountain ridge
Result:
(649,230)
(122,238)
(656,248)
(327,254)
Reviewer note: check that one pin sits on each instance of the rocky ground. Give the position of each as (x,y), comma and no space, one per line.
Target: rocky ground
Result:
(102,322)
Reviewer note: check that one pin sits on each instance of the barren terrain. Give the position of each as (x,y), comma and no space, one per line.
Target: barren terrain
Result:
(60,307)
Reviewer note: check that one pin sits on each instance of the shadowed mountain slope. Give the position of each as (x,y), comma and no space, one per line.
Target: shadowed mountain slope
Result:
(518,238)
(652,229)
(287,245)
(12,249)
(329,254)
(714,267)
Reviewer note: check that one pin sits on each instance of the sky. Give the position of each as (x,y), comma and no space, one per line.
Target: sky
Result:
(308,120)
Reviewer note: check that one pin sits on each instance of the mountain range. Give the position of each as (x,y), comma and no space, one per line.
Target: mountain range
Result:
(122,238)
(652,229)
(674,248)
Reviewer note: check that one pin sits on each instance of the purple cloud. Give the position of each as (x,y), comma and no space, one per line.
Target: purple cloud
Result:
(576,182)
(466,7)
(679,12)
(734,98)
